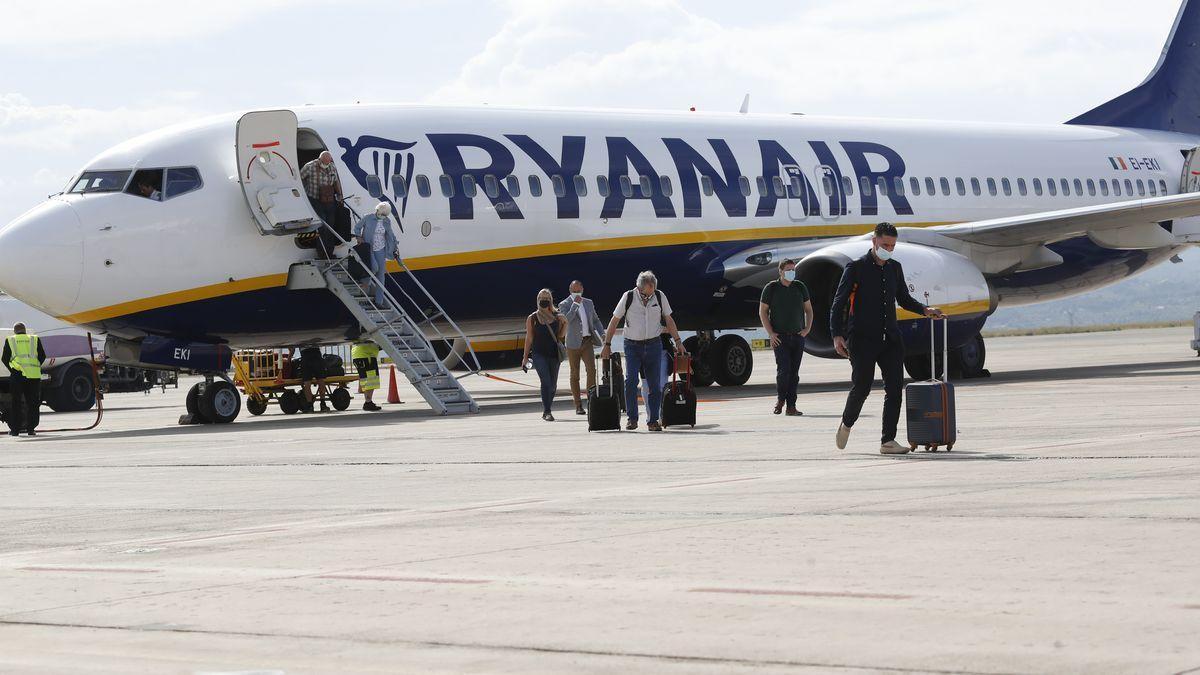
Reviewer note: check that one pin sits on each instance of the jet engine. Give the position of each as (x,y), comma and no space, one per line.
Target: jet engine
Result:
(951,281)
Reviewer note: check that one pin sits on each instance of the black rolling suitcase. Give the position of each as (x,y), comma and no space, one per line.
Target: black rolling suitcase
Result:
(603,404)
(360,270)
(930,404)
(679,400)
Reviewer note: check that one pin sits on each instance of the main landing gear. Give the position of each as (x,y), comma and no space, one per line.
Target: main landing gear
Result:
(726,360)
(212,401)
(966,362)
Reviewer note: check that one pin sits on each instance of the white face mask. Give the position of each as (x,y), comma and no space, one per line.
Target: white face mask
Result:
(789,275)
(576,296)
(883,253)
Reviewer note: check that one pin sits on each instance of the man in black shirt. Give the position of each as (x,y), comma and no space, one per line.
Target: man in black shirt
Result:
(862,321)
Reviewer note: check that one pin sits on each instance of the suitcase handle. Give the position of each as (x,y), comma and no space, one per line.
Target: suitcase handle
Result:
(933,374)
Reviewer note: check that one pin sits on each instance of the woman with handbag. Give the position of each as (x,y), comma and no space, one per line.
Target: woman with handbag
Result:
(544,330)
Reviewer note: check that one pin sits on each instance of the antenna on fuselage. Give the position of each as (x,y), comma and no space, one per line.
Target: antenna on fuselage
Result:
(745,105)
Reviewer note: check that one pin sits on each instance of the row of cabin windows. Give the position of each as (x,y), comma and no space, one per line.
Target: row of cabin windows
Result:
(577,185)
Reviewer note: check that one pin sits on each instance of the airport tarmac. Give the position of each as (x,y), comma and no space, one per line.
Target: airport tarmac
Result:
(1061,535)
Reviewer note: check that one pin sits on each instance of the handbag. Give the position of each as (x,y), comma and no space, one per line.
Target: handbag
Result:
(562,349)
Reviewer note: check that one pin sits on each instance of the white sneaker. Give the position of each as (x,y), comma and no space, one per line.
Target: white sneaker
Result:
(843,436)
(893,448)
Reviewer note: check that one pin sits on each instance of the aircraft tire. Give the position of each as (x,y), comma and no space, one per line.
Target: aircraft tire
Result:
(968,360)
(340,398)
(731,360)
(702,375)
(76,393)
(193,403)
(221,402)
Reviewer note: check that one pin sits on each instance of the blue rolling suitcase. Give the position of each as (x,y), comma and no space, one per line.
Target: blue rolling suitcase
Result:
(930,404)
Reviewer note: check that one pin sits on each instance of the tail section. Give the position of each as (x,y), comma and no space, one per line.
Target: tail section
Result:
(1169,99)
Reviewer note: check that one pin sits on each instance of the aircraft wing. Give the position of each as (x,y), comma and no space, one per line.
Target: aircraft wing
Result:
(1018,243)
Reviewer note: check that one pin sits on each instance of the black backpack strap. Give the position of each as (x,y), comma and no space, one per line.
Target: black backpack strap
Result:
(662,317)
(625,316)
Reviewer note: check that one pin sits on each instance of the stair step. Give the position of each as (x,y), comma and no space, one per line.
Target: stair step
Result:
(460,408)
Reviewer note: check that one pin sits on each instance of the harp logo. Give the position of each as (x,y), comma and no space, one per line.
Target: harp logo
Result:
(390,161)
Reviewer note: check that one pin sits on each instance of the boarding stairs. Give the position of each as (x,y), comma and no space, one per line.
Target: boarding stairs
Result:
(400,329)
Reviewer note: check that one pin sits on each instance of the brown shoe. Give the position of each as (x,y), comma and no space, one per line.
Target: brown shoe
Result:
(580,411)
(792,412)
(631,425)
(653,426)
(778,407)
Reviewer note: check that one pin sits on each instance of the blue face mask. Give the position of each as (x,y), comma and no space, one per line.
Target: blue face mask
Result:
(789,275)
(883,254)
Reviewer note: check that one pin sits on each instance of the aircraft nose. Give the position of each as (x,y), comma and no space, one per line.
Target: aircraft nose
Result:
(41,257)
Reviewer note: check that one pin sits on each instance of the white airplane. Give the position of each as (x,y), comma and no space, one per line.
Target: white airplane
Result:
(182,239)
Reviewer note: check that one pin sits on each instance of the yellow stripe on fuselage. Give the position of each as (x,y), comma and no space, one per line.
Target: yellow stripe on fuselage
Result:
(952,309)
(489,255)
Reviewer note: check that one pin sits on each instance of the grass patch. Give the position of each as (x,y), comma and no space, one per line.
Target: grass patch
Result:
(1062,330)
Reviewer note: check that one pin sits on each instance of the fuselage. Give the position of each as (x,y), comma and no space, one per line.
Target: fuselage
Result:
(494,204)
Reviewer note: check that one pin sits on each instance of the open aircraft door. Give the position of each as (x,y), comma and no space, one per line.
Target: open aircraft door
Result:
(1187,230)
(269,173)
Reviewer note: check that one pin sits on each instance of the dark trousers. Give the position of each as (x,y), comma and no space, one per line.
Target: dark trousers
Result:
(26,403)
(864,356)
(547,370)
(787,366)
(327,211)
(643,356)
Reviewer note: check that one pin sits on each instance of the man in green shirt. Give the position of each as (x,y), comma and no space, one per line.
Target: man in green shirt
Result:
(786,312)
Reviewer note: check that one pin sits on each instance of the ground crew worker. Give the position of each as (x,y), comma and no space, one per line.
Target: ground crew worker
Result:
(862,321)
(365,355)
(24,356)
(786,312)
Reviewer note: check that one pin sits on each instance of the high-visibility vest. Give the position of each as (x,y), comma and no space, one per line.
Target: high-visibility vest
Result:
(364,350)
(24,348)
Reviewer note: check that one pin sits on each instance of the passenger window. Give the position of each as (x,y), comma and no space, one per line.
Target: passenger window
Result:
(1162,184)
(1051,187)
(847,186)
(1128,187)
(761,182)
(664,185)
(626,187)
(514,186)
(647,189)
(706,185)
(580,185)
(1037,186)
(777,185)
(1116,187)
(961,186)
(945,186)
(423,185)
(796,190)
(929,187)
(1078,188)
(975,189)
(447,185)
(1103,188)
(535,186)
(182,180)
(991,183)
(914,184)
(898,185)
(560,186)
(744,183)
(1091,185)
(1022,189)
(827,184)
(1006,186)
(1066,187)
(491,186)
(602,185)
(1153,188)
(399,186)
(147,183)
(866,186)
(469,188)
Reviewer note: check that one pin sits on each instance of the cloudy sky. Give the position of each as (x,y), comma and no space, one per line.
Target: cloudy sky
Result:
(80,76)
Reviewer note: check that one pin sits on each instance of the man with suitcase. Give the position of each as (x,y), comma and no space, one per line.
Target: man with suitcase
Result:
(862,321)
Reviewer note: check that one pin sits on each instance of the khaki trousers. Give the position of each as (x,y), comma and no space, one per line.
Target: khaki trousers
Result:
(586,353)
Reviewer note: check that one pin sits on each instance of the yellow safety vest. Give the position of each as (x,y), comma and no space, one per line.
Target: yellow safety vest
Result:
(24,349)
(366,350)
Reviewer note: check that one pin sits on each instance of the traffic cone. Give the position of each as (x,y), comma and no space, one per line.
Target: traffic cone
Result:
(393,394)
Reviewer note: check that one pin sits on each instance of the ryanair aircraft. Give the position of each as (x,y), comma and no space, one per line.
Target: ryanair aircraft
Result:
(184,238)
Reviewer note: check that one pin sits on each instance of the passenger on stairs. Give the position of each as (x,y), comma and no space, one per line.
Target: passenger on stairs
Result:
(376,229)
(321,182)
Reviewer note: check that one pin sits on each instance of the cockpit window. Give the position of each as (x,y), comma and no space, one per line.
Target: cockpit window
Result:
(147,183)
(182,180)
(100,181)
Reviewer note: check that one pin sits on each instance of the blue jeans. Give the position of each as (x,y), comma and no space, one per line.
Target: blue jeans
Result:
(647,355)
(547,370)
(379,269)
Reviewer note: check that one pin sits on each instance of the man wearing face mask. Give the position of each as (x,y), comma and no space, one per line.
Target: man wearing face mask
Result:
(786,313)
(584,329)
(862,321)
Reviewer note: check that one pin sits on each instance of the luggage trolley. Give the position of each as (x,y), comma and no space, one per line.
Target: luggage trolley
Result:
(270,376)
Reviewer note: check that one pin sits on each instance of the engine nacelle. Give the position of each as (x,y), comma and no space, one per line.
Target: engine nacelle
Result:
(952,282)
